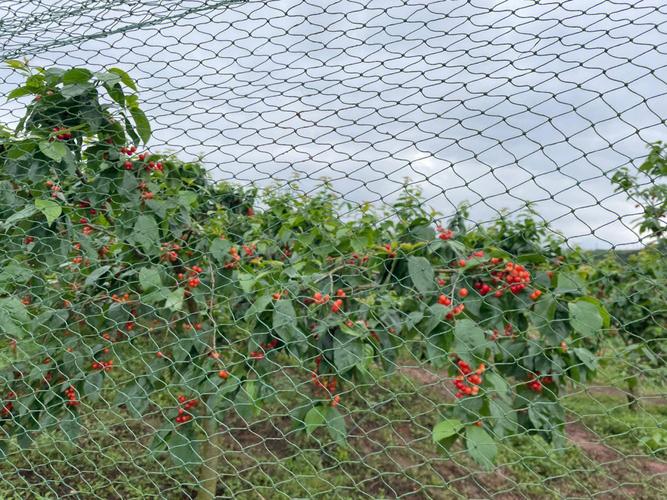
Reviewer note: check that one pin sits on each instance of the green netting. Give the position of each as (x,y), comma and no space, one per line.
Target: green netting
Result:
(333,249)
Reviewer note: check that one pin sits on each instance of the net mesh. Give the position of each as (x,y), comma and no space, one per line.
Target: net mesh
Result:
(365,147)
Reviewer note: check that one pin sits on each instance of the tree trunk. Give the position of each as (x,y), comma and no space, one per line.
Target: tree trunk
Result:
(632,392)
(208,475)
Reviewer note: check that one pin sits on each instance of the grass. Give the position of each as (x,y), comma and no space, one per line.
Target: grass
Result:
(390,454)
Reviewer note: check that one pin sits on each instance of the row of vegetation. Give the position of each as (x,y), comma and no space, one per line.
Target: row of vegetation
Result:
(132,281)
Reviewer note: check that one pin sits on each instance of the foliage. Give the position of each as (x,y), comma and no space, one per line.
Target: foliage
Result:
(133,271)
(648,190)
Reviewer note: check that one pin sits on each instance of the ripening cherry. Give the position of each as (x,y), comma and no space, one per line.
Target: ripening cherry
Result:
(463,293)
(194,282)
(444,300)
(337,306)
(340,293)
(223,374)
(276,296)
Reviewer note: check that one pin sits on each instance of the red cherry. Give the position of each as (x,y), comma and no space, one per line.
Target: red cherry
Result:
(444,300)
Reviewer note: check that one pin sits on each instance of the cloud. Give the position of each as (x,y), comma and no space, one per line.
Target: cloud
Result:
(498,103)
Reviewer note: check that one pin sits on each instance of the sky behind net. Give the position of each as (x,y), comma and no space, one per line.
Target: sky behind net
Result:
(497,103)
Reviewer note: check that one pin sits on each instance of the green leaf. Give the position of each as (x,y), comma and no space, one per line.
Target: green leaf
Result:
(149,279)
(336,425)
(124,77)
(499,385)
(50,209)
(19,92)
(469,340)
(445,429)
(220,249)
(586,357)
(284,315)
(285,324)
(14,273)
(187,198)
(93,385)
(604,314)
(14,317)
(107,78)
(314,419)
(54,150)
(421,274)
(71,426)
(134,396)
(245,402)
(347,353)
(175,300)
(116,93)
(481,446)
(585,318)
(15,64)
(569,283)
(504,417)
(24,213)
(246,281)
(75,90)
(142,125)
(77,75)
(183,449)
(96,274)
(258,307)
(147,233)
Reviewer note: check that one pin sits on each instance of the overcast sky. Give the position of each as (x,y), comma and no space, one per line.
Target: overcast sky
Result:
(497,103)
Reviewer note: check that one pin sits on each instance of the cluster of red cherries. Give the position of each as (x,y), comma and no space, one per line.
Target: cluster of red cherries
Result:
(183,415)
(102,365)
(444,234)
(536,382)
(265,346)
(320,299)
(9,406)
(468,381)
(71,397)
(325,384)
(62,134)
(234,252)
(129,164)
